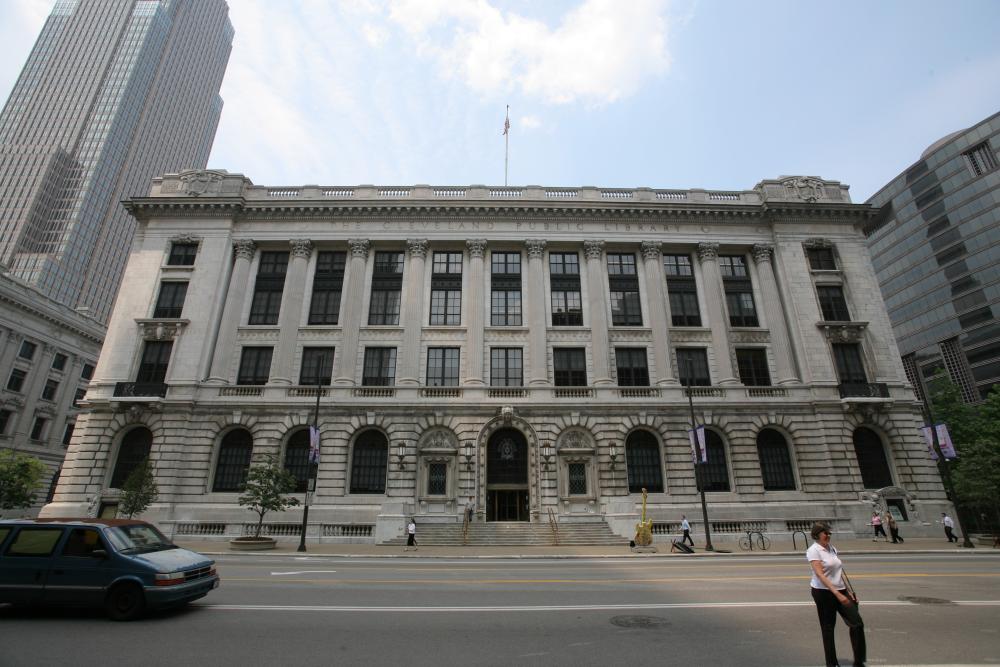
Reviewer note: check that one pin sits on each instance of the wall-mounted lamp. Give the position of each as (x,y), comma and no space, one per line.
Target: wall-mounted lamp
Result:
(401,454)
(467,455)
(614,457)
(547,454)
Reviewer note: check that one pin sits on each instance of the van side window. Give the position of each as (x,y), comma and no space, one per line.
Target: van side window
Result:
(35,542)
(81,543)
(4,532)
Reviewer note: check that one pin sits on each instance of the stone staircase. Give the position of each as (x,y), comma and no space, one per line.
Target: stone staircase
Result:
(513,533)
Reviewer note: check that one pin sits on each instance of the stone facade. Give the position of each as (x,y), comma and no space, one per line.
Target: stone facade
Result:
(533,414)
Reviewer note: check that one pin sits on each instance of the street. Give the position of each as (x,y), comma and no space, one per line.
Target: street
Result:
(749,610)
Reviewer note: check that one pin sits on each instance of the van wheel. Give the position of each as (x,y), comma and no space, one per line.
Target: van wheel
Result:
(125,602)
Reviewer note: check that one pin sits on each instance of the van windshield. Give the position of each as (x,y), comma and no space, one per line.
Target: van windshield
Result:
(137,538)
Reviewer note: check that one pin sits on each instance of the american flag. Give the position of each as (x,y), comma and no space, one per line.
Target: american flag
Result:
(506,122)
(313,445)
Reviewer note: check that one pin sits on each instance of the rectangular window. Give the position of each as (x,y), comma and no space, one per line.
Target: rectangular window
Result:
(5,416)
(328,281)
(27,350)
(821,259)
(506,367)
(832,303)
(380,367)
(68,433)
(78,396)
(980,159)
(567,302)
(624,287)
(87,371)
(170,302)
(268,288)
(182,254)
(387,284)
(681,291)
(577,479)
(59,361)
(739,292)
(632,368)
(35,542)
(446,289)
(49,390)
(752,364)
(255,365)
(154,362)
(317,366)
(692,367)
(16,379)
(447,263)
(442,367)
(505,287)
(850,368)
(437,479)
(570,365)
(38,428)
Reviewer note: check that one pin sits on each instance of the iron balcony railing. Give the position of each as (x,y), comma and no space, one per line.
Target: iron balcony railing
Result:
(863,390)
(140,389)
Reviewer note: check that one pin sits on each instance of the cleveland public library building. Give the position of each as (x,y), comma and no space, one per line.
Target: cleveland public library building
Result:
(526,346)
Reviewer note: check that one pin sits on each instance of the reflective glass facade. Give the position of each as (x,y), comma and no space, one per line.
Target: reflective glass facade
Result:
(113,93)
(936,251)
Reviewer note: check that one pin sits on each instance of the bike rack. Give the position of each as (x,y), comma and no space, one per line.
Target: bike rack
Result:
(805,540)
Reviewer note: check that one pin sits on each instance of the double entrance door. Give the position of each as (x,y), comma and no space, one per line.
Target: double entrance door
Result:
(507,477)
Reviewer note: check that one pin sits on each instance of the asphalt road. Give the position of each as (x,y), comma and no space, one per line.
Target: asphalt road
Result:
(754,610)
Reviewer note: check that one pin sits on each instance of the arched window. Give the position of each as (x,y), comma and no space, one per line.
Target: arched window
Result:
(297,458)
(133,451)
(714,475)
(875,472)
(234,461)
(775,464)
(642,461)
(369,463)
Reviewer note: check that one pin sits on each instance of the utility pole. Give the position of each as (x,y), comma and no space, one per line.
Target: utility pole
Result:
(698,478)
(313,464)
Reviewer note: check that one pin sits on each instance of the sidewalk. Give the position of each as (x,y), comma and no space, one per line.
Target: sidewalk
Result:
(726,549)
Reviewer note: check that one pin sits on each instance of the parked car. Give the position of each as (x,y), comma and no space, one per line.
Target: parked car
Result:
(125,565)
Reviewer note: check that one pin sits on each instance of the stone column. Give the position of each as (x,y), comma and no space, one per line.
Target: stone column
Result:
(32,391)
(596,303)
(715,301)
(225,341)
(413,310)
(292,296)
(475,313)
(659,312)
(346,358)
(8,352)
(777,324)
(533,296)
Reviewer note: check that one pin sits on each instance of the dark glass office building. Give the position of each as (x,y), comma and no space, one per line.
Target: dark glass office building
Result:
(936,251)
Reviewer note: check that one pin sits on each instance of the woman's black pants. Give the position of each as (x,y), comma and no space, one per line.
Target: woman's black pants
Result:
(828,607)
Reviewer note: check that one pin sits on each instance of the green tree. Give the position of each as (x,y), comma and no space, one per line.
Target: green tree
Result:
(266,488)
(20,475)
(139,491)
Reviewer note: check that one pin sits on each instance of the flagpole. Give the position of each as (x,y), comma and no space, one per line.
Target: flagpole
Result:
(313,466)
(506,144)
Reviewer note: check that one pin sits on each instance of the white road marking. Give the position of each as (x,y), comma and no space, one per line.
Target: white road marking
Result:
(278,574)
(595,607)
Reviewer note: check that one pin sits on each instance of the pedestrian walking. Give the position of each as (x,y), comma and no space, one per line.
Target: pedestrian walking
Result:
(686,527)
(949,527)
(833,595)
(470,509)
(893,528)
(877,525)
(411,536)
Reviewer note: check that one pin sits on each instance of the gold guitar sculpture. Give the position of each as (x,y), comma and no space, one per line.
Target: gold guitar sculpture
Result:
(644,529)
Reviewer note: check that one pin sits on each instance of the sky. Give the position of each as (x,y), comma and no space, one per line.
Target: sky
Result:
(713,94)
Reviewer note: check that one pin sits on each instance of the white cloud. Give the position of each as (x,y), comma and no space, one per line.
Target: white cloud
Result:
(530,122)
(600,52)
(374,35)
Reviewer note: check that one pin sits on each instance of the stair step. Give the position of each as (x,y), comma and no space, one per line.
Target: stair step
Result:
(514,534)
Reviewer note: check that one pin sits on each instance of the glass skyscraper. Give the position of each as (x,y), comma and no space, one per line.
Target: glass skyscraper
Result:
(936,251)
(113,93)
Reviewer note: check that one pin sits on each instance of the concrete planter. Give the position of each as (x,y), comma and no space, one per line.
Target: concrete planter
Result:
(252,543)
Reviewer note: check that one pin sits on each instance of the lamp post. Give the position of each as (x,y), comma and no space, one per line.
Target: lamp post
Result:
(944,467)
(699,479)
(313,465)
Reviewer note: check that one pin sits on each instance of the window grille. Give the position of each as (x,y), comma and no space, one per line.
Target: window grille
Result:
(437,478)
(775,463)
(234,461)
(577,479)
(369,463)
(134,449)
(642,462)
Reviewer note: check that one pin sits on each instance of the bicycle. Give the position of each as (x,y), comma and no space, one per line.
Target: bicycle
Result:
(762,541)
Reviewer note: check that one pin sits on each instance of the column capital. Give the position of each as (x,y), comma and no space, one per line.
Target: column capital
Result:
(536,248)
(708,251)
(593,249)
(244,249)
(301,248)
(477,248)
(762,252)
(651,250)
(417,247)
(359,247)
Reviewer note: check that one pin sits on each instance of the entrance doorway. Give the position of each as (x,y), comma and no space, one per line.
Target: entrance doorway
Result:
(507,477)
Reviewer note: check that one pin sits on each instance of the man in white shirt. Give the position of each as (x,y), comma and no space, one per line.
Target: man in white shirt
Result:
(949,527)
(686,527)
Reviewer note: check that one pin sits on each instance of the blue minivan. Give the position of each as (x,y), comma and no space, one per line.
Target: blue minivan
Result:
(124,565)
